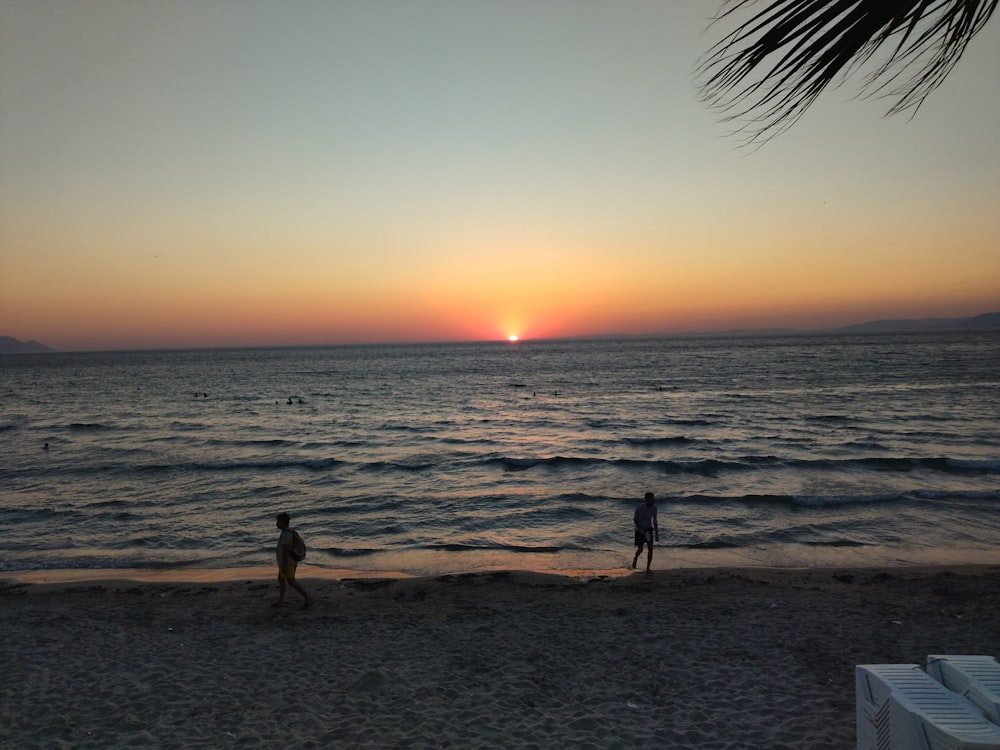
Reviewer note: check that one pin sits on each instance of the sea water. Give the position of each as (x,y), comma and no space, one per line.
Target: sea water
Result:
(426,459)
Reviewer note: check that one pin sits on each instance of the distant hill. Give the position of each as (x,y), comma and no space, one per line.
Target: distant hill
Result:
(10,345)
(985,322)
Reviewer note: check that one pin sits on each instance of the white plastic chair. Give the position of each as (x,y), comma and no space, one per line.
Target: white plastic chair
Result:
(900,707)
(977,678)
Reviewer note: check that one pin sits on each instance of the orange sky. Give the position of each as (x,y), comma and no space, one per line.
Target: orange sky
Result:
(400,176)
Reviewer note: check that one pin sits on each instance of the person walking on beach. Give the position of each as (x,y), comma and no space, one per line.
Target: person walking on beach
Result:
(286,563)
(646,529)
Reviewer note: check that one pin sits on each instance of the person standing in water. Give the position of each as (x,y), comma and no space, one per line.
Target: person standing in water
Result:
(286,563)
(646,529)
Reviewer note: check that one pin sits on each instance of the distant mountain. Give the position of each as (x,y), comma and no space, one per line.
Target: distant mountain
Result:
(985,322)
(10,345)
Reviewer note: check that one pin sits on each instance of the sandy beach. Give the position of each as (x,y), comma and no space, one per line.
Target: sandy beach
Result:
(707,658)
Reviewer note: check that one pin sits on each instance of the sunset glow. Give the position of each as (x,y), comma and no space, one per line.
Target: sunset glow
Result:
(377,178)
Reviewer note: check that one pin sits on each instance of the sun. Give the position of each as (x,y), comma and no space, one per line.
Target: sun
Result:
(512,338)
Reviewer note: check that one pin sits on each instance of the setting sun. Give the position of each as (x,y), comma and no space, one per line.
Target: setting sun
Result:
(462,210)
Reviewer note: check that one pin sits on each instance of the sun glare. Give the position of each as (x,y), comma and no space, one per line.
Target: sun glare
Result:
(512,338)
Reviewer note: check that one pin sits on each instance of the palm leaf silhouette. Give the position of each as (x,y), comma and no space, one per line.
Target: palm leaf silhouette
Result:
(770,69)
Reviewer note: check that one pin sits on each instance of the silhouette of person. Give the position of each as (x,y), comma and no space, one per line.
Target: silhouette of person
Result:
(646,529)
(286,563)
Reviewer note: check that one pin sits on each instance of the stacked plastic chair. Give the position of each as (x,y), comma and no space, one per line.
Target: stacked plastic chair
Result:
(952,706)
(977,678)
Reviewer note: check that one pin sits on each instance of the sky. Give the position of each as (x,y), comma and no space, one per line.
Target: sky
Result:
(250,173)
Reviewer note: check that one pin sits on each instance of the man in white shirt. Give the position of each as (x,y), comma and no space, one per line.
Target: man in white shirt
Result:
(645,529)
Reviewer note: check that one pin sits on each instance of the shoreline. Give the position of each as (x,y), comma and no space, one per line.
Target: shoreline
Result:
(89,576)
(687,658)
(428,564)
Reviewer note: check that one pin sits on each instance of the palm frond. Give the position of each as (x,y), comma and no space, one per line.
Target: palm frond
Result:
(772,67)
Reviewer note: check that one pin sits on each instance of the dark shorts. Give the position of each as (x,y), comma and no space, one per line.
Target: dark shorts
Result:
(643,537)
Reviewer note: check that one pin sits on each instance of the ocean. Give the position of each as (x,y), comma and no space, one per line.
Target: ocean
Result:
(806,450)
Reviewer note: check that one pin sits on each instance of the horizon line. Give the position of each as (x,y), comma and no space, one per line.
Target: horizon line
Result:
(906,325)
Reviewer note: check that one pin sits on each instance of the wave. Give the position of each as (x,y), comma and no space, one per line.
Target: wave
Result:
(989,495)
(711,544)
(355,552)
(864,445)
(446,547)
(15,422)
(833,501)
(827,501)
(723,543)
(255,465)
(104,562)
(262,443)
(404,466)
(194,467)
(654,441)
(976,466)
(449,462)
(712,466)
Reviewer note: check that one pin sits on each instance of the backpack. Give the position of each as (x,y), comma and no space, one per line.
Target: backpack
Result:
(298,549)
